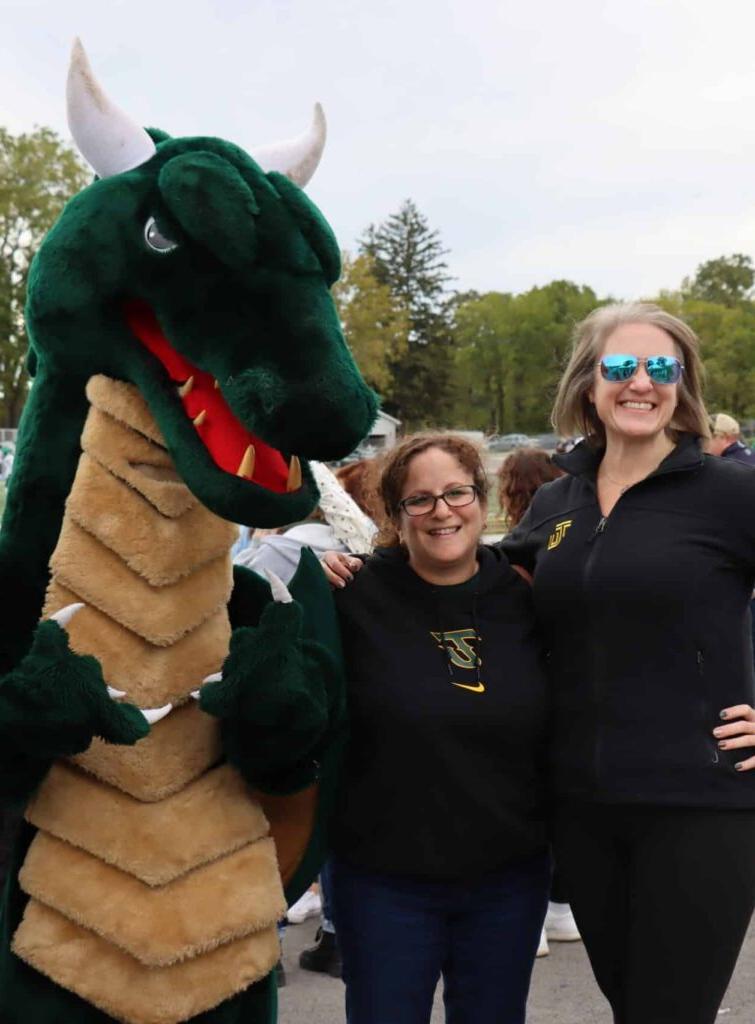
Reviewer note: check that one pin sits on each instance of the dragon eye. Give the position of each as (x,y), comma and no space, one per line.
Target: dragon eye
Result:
(156,240)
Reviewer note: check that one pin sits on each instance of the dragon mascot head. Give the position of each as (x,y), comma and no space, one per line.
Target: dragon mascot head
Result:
(170,725)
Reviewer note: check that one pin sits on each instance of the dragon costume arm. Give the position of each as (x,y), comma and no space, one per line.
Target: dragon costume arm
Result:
(52,701)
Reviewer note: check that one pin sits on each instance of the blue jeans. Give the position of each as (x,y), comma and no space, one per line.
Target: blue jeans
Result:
(399,935)
(326,896)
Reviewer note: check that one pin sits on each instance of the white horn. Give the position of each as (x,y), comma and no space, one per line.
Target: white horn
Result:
(296,158)
(106,137)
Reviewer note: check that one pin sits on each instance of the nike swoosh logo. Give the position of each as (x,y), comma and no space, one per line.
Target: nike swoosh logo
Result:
(479,688)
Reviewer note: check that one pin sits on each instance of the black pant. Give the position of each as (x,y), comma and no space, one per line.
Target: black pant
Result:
(663,897)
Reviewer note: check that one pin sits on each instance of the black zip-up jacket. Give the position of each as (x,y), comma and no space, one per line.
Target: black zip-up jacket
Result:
(645,614)
(445,771)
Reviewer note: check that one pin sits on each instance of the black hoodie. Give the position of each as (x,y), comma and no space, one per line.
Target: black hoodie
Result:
(443,777)
(646,617)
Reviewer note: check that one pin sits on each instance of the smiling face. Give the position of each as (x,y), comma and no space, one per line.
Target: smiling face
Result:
(442,544)
(636,409)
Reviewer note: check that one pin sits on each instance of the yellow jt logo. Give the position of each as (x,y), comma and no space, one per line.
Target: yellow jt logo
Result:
(558,534)
(461,647)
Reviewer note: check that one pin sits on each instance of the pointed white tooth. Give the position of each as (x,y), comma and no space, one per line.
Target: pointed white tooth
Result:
(278,587)
(200,418)
(194,694)
(155,714)
(246,466)
(186,387)
(115,694)
(214,678)
(64,616)
(216,383)
(294,474)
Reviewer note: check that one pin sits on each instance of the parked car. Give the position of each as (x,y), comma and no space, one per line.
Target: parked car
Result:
(507,442)
(546,441)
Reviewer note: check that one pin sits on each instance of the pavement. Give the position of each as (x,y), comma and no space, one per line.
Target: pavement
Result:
(563,990)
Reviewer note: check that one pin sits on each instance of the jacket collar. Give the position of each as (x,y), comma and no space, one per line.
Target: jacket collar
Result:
(584,459)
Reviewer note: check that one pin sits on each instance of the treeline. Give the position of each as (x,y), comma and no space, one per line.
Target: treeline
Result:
(437,356)
(492,361)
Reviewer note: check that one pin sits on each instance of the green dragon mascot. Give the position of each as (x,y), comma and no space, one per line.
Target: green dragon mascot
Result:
(171,726)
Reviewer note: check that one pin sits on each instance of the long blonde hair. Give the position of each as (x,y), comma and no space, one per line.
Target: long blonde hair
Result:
(574,413)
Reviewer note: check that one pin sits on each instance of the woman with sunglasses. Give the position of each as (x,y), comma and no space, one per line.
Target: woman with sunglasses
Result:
(440,864)
(643,559)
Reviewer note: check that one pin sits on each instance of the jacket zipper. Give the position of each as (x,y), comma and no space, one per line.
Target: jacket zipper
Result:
(587,570)
(598,675)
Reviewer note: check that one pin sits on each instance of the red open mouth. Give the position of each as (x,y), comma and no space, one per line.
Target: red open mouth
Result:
(232,447)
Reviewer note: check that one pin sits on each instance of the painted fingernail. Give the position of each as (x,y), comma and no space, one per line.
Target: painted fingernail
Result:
(740,766)
(722,746)
(717,732)
(723,715)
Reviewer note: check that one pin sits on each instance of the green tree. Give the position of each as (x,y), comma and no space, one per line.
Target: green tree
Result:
(727,280)
(409,258)
(38,174)
(374,321)
(511,351)
(483,327)
(727,339)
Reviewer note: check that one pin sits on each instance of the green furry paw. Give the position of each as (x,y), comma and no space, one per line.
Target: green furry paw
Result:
(54,702)
(273,700)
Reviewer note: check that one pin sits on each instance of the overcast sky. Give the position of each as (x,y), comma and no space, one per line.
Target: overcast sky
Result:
(610,142)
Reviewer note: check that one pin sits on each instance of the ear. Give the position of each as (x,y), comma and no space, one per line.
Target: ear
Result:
(312,225)
(213,204)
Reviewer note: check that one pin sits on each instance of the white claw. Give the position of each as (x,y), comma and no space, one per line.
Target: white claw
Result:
(155,714)
(64,616)
(214,678)
(115,694)
(278,587)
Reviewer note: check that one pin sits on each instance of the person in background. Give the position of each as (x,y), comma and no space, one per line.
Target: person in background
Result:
(440,863)
(725,440)
(340,523)
(520,475)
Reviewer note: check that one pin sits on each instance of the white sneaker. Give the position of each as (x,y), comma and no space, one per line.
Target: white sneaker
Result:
(542,949)
(308,905)
(560,925)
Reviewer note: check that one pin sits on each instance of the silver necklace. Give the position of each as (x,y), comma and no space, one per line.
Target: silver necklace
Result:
(622,487)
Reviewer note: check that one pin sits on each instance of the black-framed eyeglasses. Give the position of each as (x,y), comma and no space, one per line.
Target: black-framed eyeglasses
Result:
(454,497)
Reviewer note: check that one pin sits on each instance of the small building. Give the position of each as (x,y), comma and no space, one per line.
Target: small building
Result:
(384,431)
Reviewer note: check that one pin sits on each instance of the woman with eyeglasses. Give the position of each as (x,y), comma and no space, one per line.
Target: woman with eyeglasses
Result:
(440,864)
(643,558)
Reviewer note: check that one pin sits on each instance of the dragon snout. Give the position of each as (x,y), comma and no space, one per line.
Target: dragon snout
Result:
(324,417)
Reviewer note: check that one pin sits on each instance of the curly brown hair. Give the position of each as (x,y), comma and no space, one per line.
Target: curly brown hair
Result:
(357,479)
(519,477)
(394,466)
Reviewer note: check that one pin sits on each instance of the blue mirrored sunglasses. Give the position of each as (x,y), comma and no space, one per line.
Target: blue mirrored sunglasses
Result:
(660,369)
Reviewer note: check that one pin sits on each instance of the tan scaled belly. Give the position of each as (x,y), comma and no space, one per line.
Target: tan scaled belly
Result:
(153,879)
